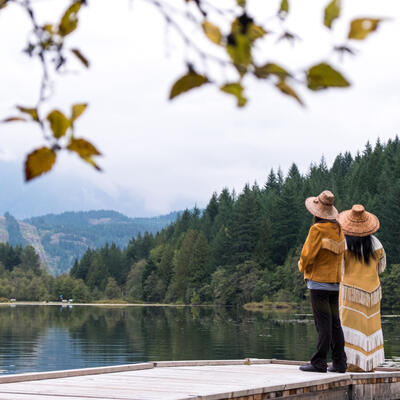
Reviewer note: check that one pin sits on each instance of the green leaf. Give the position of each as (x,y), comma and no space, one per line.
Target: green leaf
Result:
(284,7)
(323,76)
(77,111)
(59,123)
(288,90)
(85,150)
(235,89)
(239,50)
(187,82)
(32,112)
(81,57)
(14,119)
(38,162)
(69,20)
(245,25)
(360,28)
(268,69)
(212,32)
(332,11)
(241,3)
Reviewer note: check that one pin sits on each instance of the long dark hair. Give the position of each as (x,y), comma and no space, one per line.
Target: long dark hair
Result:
(360,247)
(318,220)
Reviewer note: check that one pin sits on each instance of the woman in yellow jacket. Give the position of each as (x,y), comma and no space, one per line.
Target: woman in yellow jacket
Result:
(321,262)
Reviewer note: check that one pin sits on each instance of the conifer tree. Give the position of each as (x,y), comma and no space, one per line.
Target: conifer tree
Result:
(246,226)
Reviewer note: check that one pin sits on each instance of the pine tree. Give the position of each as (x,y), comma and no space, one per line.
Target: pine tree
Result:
(246,226)
(286,216)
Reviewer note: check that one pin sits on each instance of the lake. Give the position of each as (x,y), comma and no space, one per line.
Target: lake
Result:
(45,338)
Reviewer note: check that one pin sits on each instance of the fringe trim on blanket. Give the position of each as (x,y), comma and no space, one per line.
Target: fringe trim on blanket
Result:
(357,338)
(333,246)
(366,363)
(360,296)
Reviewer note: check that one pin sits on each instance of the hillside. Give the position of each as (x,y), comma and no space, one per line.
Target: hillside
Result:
(60,238)
(245,247)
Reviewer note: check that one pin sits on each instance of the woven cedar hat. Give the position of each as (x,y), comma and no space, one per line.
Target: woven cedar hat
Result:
(358,222)
(322,205)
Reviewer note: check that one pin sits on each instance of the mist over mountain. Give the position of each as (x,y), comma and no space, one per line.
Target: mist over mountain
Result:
(56,193)
(62,216)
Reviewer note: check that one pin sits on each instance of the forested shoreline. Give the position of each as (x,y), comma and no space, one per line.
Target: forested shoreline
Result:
(241,248)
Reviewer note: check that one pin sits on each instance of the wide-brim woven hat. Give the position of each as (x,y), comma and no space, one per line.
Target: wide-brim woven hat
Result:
(322,205)
(358,222)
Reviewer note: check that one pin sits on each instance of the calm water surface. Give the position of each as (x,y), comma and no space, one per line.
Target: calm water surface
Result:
(44,338)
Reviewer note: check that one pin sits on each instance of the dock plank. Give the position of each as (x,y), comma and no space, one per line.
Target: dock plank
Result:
(211,382)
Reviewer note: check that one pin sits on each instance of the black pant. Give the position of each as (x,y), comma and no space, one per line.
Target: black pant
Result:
(325,306)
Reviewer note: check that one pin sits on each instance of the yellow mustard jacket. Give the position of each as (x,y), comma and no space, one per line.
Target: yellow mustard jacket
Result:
(322,254)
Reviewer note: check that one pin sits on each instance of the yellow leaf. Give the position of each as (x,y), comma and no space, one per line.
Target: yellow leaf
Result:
(59,123)
(32,112)
(323,76)
(332,11)
(81,57)
(90,161)
(83,147)
(38,162)
(187,82)
(255,32)
(286,89)
(235,89)
(268,69)
(48,28)
(77,111)
(212,32)
(14,119)
(241,3)
(85,150)
(360,28)
(69,20)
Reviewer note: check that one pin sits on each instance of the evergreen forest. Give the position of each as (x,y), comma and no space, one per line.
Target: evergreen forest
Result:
(242,247)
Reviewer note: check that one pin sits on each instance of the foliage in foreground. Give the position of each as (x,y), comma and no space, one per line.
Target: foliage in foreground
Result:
(232,42)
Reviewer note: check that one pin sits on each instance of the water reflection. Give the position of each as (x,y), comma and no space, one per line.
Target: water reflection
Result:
(42,338)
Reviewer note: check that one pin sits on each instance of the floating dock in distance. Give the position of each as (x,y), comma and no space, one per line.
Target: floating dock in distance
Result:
(250,379)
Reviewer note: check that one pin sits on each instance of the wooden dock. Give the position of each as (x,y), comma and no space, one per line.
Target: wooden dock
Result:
(253,379)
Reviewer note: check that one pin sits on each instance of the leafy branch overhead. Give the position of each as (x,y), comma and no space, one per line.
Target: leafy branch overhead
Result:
(240,43)
(223,49)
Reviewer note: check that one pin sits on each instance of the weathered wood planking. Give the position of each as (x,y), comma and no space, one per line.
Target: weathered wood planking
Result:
(207,380)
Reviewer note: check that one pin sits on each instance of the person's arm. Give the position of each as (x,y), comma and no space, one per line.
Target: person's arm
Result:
(310,249)
(382,262)
(379,254)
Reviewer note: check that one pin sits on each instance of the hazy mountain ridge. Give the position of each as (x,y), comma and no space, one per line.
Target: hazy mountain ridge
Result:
(61,238)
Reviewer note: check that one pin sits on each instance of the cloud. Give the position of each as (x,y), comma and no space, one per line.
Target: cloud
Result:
(160,155)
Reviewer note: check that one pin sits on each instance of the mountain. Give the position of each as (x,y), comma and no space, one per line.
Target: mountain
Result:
(61,238)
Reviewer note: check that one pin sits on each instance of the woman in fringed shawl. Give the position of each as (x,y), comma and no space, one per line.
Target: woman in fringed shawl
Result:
(360,290)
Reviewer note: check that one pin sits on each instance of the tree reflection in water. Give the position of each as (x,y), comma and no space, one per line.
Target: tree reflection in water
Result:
(38,338)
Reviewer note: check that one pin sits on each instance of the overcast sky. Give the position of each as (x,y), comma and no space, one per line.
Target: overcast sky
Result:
(171,155)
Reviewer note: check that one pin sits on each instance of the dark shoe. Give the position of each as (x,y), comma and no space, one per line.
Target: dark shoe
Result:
(333,369)
(310,368)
